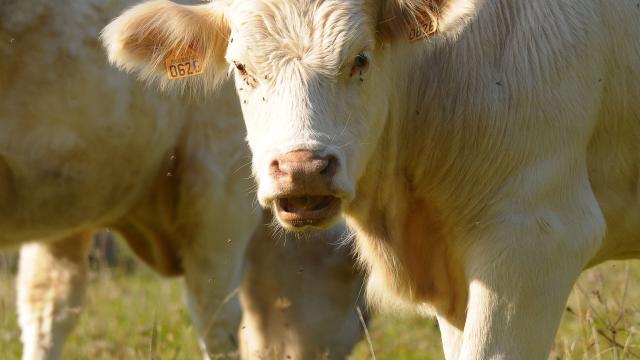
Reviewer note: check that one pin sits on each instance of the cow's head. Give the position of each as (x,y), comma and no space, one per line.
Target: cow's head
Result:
(312,77)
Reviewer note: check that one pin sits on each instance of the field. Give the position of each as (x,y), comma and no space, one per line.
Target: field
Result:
(133,314)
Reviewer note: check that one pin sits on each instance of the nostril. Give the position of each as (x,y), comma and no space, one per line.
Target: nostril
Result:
(274,168)
(331,167)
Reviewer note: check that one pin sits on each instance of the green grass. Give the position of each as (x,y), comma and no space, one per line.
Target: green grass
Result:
(124,310)
(122,313)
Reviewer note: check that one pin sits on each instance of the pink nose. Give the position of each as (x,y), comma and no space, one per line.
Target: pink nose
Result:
(303,166)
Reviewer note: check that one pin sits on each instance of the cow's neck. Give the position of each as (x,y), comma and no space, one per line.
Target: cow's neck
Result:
(403,237)
(405,244)
(435,168)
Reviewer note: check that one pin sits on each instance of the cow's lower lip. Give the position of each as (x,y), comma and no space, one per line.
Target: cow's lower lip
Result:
(310,210)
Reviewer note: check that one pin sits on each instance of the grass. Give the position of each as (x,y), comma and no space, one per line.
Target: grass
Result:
(137,315)
(602,318)
(127,317)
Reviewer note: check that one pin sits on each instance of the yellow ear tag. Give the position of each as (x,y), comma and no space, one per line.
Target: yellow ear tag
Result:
(425,28)
(184,63)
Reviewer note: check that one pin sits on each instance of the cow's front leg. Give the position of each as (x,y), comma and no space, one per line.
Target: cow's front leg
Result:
(51,283)
(521,274)
(452,338)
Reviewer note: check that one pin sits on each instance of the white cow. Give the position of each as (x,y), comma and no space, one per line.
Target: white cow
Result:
(299,301)
(484,151)
(83,146)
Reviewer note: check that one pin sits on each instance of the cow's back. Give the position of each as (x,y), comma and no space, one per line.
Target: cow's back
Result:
(78,139)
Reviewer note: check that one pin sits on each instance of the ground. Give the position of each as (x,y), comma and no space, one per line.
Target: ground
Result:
(133,314)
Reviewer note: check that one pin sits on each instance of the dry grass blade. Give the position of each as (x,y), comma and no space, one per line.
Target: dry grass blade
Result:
(625,290)
(217,312)
(366,332)
(616,345)
(153,346)
(628,343)
(594,334)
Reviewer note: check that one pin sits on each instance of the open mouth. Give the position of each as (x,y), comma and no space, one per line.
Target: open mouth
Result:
(309,210)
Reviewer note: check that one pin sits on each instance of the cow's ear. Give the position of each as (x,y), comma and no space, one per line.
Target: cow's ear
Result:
(409,19)
(155,37)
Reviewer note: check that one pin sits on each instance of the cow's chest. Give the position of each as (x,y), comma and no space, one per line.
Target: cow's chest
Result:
(432,266)
(409,254)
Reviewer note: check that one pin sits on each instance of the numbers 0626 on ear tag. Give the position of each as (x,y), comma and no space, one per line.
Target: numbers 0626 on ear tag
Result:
(426,27)
(184,63)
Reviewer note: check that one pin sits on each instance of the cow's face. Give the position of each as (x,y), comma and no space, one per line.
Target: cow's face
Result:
(311,88)
(312,77)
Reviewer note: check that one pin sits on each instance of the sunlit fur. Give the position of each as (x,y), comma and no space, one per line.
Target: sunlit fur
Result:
(51,283)
(84,146)
(149,32)
(480,168)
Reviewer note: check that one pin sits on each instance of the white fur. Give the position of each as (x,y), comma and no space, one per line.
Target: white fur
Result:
(83,146)
(284,292)
(507,141)
(51,288)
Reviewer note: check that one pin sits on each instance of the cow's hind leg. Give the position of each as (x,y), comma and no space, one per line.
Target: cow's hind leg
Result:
(51,287)
(521,275)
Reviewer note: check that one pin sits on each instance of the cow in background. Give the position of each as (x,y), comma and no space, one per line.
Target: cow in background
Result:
(83,146)
(299,296)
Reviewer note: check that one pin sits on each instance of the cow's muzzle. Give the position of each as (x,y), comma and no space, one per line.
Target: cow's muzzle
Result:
(305,194)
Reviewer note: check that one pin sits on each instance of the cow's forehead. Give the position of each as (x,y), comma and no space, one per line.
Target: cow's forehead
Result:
(319,34)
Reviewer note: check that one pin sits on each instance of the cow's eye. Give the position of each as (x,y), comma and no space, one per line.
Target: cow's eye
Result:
(242,70)
(360,64)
